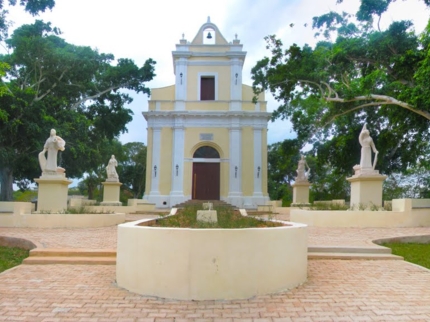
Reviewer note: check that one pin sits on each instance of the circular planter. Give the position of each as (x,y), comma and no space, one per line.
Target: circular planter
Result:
(210,264)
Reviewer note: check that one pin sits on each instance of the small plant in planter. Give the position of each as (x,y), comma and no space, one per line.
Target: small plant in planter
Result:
(227,218)
(328,206)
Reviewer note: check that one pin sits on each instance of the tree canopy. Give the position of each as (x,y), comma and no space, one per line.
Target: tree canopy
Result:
(74,89)
(357,73)
(33,7)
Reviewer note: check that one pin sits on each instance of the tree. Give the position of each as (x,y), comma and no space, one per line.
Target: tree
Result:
(281,165)
(33,7)
(133,168)
(414,183)
(367,75)
(74,89)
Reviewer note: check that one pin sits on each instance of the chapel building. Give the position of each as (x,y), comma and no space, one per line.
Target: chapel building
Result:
(207,140)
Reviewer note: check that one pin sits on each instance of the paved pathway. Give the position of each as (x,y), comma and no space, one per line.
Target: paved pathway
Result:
(336,290)
(96,238)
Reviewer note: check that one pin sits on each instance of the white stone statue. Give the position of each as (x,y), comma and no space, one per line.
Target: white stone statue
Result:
(53,144)
(112,175)
(302,174)
(367,146)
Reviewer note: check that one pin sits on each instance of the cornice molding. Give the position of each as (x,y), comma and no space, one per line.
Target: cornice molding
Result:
(229,54)
(223,114)
(209,119)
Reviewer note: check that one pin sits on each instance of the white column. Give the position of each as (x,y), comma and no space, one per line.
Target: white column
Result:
(177,189)
(235,171)
(156,152)
(258,163)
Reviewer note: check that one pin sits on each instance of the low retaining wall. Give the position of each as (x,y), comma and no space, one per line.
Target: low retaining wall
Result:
(18,214)
(326,218)
(81,202)
(210,264)
(8,207)
(406,213)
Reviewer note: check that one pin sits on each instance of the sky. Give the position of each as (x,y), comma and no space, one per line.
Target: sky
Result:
(140,30)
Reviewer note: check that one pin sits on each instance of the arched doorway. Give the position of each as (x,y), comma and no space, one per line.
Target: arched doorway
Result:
(206,174)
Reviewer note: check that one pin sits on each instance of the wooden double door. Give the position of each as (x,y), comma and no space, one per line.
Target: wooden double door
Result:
(206,181)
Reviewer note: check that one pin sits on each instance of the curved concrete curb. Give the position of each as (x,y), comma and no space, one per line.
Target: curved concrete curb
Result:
(420,239)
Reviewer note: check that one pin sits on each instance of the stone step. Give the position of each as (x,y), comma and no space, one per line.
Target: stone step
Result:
(193,202)
(74,260)
(72,252)
(77,256)
(349,249)
(362,256)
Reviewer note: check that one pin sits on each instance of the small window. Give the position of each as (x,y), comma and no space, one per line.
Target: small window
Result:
(207,88)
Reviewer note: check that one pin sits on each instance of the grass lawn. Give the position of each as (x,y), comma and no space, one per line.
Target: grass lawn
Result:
(412,252)
(11,256)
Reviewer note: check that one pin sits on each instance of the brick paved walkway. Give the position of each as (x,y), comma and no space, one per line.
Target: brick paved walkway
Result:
(336,290)
(96,238)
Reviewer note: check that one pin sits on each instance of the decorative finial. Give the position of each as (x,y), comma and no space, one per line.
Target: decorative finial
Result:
(209,19)
(183,36)
(235,35)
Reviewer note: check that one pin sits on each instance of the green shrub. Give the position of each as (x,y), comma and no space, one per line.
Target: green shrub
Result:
(328,206)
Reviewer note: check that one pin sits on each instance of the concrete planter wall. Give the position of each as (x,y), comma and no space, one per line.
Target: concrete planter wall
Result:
(386,219)
(405,213)
(209,264)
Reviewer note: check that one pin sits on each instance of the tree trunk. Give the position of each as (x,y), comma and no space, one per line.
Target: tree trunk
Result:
(90,188)
(6,181)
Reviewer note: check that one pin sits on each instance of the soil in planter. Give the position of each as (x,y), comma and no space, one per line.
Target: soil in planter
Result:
(227,218)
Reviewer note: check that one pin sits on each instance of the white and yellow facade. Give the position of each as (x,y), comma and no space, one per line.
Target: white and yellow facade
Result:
(206,138)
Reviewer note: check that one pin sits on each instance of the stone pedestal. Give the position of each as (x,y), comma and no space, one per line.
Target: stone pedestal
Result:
(111,193)
(52,193)
(300,193)
(366,190)
(207,216)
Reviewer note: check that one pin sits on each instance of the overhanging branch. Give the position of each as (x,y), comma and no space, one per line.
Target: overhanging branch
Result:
(376,100)
(84,99)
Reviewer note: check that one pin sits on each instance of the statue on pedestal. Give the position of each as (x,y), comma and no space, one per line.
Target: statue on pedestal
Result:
(112,175)
(367,146)
(302,174)
(53,144)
